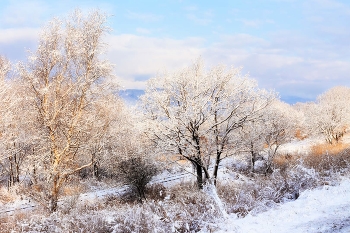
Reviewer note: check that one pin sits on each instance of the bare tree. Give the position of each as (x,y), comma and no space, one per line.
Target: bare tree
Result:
(64,79)
(194,113)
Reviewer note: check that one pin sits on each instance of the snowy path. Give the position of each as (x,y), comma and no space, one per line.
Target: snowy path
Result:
(322,210)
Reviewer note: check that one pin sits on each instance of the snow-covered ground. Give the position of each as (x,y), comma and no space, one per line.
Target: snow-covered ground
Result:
(300,147)
(322,210)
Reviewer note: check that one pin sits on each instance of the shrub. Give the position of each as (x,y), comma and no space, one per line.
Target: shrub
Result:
(185,209)
(261,192)
(136,172)
(156,192)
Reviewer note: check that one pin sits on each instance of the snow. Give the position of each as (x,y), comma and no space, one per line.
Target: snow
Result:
(210,189)
(326,209)
(300,147)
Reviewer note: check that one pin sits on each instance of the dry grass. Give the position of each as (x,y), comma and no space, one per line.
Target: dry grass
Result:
(326,148)
(10,223)
(300,135)
(72,190)
(74,187)
(6,196)
(328,157)
(283,160)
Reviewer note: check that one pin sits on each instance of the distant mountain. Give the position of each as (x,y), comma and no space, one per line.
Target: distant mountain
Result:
(130,96)
(294,99)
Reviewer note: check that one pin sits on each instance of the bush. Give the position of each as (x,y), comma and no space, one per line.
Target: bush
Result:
(136,172)
(261,192)
(156,192)
(186,209)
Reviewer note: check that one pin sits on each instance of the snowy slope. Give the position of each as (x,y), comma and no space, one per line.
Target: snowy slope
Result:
(322,210)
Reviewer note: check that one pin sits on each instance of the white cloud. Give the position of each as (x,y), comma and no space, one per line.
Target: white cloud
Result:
(191,8)
(139,55)
(275,63)
(143,16)
(275,67)
(251,23)
(12,35)
(143,30)
(23,13)
(255,23)
(201,18)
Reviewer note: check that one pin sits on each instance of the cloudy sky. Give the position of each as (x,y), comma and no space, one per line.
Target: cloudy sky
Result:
(300,48)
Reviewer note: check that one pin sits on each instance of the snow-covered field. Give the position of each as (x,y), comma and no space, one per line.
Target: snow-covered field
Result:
(326,209)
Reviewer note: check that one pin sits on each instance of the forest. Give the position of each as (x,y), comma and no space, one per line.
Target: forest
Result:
(202,143)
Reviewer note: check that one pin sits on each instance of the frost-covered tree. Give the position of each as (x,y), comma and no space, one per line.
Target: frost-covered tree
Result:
(115,124)
(5,67)
(65,79)
(14,145)
(279,127)
(330,115)
(251,139)
(264,136)
(194,112)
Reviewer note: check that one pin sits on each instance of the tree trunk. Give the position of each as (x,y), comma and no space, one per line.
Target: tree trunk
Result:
(216,167)
(218,150)
(17,169)
(199,170)
(53,203)
(95,170)
(253,157)
(11,173)
(53,199)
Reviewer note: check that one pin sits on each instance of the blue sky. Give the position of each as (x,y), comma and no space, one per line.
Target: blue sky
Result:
(299,48)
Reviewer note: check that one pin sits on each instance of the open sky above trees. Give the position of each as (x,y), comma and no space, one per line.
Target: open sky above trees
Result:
(299,48)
